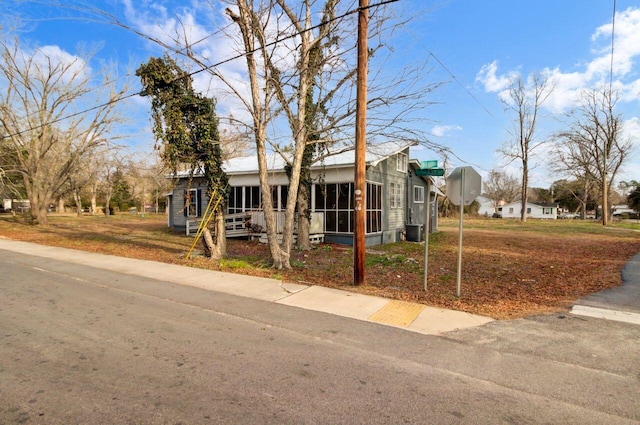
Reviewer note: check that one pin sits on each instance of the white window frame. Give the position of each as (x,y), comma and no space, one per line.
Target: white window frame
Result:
(395,195)
(418,194)
(392,195)
(402,162)
(193,201)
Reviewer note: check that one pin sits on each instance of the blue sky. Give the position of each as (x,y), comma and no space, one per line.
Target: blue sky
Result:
(474,46)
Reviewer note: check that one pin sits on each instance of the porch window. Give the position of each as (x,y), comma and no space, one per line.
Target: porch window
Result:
(192,200)
(337,200)
(374,208)
(418,194)
(402,161)
(244,198)
(279,196)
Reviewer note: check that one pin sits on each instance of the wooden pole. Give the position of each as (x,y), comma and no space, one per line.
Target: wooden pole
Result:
(361,146)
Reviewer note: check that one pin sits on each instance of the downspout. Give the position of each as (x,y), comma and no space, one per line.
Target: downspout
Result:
(408,219)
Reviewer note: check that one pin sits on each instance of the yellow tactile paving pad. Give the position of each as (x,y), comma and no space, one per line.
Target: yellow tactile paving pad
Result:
(397,313)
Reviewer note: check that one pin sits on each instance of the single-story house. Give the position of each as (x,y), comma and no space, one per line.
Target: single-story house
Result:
(395,196)
(487,208)
(534,210)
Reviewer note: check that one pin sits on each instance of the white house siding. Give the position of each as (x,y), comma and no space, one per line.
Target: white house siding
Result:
(393,219)
(416,212)
(540,211)
(486,206)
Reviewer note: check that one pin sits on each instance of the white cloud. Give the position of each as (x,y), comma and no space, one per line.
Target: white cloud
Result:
(631,130)
(491,81)
(51,56)
(626,44)
(444,130)
(592,75)
(200,26)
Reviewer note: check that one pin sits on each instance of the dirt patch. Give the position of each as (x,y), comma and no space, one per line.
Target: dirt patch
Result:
(509,269)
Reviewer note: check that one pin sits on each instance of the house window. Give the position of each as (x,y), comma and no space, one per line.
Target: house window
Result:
(395,195)
(374,208)
(528,210)
(547,211)
(418,194)
(192,199)
(510,210)
(336,201)
(402,161)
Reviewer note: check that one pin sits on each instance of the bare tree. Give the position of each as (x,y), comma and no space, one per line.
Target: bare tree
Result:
(44,137)
(501,187)
(525,100)
(593,144)
(235,139)
(287,55)
(110,168)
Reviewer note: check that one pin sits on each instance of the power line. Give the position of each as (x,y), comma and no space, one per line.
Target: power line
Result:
(222,62)
(451,74)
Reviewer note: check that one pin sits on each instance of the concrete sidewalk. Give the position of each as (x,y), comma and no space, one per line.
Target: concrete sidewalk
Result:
(410,316)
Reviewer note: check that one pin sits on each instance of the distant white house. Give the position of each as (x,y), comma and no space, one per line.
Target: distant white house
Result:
(621,209)
(534,210)
(487,208)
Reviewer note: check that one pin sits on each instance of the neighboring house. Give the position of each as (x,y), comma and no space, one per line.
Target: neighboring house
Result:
(621,209)
(545,211)
(487,208)
(394,195)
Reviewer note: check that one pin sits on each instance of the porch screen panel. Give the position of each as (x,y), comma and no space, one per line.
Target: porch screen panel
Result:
(320,197)
(284,196)
(253,201)
(337,202)
(234,205)
(374,208)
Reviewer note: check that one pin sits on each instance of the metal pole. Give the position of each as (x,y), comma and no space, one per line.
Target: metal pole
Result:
(462,182)
(361,141)
(426,234)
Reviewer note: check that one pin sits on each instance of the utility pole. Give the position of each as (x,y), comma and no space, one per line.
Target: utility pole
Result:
(361,146)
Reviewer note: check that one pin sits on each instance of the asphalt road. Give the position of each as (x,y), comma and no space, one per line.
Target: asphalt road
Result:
(85,346)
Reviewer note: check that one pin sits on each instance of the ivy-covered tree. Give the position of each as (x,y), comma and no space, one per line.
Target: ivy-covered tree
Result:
(186,130)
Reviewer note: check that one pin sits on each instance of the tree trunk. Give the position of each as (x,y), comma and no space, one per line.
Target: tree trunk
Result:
(605,201)
(215,244)
(94,203)
(41,215)
(279,256)
(61,205)
(304,218)
(78,201)
(107,207)
(525,194)
(37,208)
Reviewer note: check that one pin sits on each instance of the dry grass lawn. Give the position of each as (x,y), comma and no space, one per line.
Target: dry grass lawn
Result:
(510,269)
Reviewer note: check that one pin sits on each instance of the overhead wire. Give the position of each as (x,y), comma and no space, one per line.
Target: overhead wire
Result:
(215,65)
